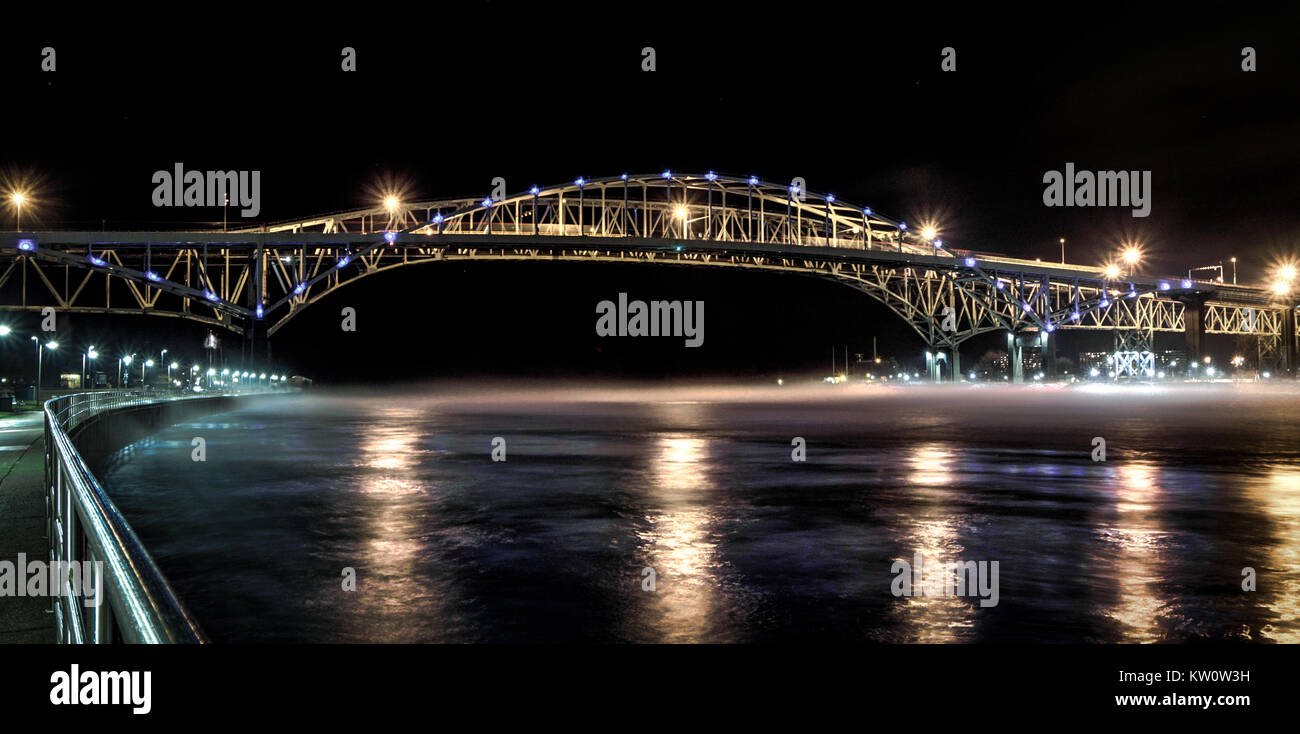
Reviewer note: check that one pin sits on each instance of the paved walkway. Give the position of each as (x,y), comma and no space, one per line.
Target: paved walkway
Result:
(22,523)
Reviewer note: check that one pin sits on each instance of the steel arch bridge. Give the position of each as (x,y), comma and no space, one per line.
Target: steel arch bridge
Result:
(270,273)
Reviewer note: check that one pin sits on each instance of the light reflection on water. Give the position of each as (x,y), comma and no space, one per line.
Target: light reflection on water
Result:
(1278,493)
(746,545)
(1137,542)
(677,542)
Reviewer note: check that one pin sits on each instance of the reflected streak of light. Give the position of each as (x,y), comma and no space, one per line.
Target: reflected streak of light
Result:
(678,546)
(390,454)
(933,619)
(1279,498)
(1138,539)
(931,464)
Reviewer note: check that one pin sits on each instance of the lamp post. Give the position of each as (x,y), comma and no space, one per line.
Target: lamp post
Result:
(125,359)
(1234,269)
(146,365)
(1132,255)
(1062,250)
(18,198)
(91,354)
(51,345)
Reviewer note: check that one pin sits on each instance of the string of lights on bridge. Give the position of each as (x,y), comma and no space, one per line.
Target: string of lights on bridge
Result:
(1125,263)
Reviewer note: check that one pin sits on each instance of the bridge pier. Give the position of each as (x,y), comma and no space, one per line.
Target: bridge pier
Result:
(941,353)
(1193,331)
(1049,354)
(1289,345)
(1015,358)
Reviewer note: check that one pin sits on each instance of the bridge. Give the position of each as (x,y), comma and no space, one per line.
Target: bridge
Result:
(259,278)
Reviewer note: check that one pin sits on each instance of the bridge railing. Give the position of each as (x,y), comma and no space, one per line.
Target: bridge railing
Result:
(108,587)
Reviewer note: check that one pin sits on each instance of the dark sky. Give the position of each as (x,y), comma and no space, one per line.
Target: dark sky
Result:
(849,98)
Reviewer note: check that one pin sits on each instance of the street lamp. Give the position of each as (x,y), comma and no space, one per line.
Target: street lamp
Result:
(5,330)
(1062,250)
(91,354)
(18,198)
(1132,256)
(1234,269)
(51,345)
(125,359)
(147,364)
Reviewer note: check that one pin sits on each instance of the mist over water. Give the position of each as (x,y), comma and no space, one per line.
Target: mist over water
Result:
(697,482)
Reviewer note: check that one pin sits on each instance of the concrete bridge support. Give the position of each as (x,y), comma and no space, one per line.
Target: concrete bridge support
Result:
(1289,344)
(1015,358)
(1193,332)
(1049,354)
(943,358)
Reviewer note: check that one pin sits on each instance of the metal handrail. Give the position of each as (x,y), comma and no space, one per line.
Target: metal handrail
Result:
(136,604)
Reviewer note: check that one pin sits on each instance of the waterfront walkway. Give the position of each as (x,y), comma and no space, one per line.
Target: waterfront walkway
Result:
(22,523)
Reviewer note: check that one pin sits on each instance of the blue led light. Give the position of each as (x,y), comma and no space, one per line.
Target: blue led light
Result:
(390,236)
(298,289)
(1187,284)
(970,262)
(1074,316)
(1025,305)
(95,260)
(867,211)
(533,191)
(711,175)
(938,244)
(344,261)
(26,245)
(1105,303)
(487,201)
(580,181)
(667,174)
(1050,327)
(624,177)
(259,310)
(1001,285)
(679,248)
(902,226)
(211,296)
(830,198)
(1164,286)
(151,275)
(437,218)
(753,180)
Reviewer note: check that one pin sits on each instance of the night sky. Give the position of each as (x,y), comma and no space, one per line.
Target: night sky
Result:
(852,100)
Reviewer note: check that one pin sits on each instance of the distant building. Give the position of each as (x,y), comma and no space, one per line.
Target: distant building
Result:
(1171,358)
(1094,360)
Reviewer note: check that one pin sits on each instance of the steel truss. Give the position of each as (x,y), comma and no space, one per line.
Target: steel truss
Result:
(275,271)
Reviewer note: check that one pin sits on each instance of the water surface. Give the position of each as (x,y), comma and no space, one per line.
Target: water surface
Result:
(599,484)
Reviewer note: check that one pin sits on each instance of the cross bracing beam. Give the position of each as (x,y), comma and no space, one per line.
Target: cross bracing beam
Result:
(274,271)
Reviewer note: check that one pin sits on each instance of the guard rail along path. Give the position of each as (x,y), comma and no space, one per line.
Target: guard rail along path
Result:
(131,601)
